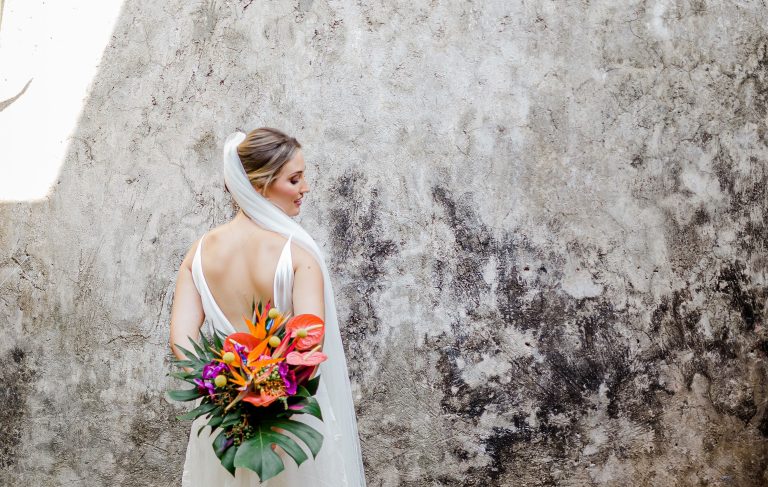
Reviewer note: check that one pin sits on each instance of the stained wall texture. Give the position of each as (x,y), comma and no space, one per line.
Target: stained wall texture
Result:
(545,222)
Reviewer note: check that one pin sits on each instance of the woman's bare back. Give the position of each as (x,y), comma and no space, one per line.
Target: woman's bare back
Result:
(239,260)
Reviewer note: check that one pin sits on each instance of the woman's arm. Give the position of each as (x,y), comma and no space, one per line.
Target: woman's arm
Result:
(187,313)
(308,292)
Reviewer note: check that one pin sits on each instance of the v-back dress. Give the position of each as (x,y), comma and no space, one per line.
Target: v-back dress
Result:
(202,468)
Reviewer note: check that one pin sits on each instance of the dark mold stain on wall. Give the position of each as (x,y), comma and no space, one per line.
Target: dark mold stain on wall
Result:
(16,382)
(585,348)
(359,253)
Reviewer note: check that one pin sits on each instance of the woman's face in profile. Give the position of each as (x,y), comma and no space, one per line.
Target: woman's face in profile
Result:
(288,188)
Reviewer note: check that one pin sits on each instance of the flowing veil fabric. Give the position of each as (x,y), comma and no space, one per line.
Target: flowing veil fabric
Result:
(344,443)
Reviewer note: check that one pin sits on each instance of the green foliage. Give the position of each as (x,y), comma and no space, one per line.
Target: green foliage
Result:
(198,411)
(226,453)
(307,405)
(184,394)
(256,452)
(216,420)
(312,385)
(253,446)
(231,419)
(218,340)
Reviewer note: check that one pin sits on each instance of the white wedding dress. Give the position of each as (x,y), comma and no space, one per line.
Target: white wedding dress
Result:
(202,467)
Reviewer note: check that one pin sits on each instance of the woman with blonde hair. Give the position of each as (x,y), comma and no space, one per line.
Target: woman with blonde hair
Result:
(262,252)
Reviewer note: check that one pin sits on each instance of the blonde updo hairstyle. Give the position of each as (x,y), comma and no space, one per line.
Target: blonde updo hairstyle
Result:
(264,152)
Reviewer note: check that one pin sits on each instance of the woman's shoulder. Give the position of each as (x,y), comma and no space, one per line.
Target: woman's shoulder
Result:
(190,255)
(301,257)
(211,236)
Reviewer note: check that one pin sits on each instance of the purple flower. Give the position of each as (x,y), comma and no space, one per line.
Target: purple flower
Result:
(204,384)
(213,369)
(210,371)
(289,378)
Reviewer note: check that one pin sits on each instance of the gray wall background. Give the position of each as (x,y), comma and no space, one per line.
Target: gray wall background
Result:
(545,222)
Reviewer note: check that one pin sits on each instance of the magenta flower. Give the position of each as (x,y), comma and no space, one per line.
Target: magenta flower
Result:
(213,369)
(289,378)
(210,371)
(206,384)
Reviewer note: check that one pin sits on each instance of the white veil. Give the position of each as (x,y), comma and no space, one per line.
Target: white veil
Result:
(333,372)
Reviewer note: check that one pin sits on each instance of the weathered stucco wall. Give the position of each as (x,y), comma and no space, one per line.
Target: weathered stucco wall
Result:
(545,222)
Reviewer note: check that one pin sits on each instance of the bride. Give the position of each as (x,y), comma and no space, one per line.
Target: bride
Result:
(264,253)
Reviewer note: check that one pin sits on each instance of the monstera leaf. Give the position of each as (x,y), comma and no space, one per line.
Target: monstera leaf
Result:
(256,453)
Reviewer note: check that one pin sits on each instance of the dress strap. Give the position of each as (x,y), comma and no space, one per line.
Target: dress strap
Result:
(283,287)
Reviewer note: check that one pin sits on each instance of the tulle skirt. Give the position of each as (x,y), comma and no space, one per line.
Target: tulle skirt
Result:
(202,468)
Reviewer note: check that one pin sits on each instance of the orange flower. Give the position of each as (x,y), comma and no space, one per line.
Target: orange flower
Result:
(246,339)
(263,398)
(242,345)
(313,325)
(253,370)
(259,329)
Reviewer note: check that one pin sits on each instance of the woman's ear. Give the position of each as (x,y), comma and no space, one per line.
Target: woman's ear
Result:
(259,189)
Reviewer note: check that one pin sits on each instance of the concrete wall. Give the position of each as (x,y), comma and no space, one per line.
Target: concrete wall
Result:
(545,222)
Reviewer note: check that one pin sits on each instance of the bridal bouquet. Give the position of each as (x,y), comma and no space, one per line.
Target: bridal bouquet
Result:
(251,384)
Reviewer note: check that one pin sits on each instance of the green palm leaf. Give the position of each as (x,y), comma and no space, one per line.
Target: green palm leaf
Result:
(200,350)
(192,357)
(205,345)
(256,453)
(306,433)
(218,340)
(184,394)
(198,411)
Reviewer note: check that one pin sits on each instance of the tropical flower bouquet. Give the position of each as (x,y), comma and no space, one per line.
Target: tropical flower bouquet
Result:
(251,384)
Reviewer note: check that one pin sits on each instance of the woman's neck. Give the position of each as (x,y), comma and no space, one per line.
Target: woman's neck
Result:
(243,220)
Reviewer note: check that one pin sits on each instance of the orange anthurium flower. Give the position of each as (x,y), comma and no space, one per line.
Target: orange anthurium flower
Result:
(263,398)
(314,326)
